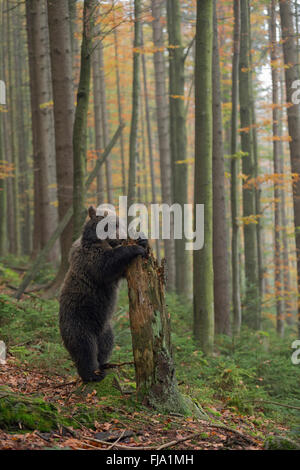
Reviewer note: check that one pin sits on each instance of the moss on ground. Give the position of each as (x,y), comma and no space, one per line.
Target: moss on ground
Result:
(22,412)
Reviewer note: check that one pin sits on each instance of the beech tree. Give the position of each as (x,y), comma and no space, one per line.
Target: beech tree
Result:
(293,113)
(203,281)
(61,69)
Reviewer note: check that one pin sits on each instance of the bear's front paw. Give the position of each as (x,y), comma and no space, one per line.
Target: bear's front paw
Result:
(142,242)
(140,251)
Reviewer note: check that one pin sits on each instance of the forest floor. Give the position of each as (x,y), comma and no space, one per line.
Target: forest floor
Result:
(248,391)
(121,427)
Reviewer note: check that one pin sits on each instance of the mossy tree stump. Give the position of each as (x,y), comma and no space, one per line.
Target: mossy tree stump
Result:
(150,328)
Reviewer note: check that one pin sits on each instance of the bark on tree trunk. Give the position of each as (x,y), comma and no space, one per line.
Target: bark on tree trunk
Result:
(15,236)
(276,158)
(105,127)
(178,137)
(135,104)
(80,123)
(37,25)
(234,193)
(120,110)
(61,65)
(150,326)
(98,121)
(163,129)
(203,187)
(220,246)
(150,139)
(251,315)
(293,112)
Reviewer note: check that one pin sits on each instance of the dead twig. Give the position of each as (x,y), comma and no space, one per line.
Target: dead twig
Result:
(119,446)
(278,404)
(115,366)
(116,442)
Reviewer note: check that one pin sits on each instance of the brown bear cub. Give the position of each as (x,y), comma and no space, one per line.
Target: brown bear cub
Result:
(89,296)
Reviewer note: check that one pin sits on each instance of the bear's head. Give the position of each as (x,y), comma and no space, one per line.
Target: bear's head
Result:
(90,236)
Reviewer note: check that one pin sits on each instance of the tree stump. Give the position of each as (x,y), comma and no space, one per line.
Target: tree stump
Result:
(150,328)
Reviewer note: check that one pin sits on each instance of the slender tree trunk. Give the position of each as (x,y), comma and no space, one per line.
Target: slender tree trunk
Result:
(44,132)
(120,110)
(3,219)
(150,139)
(235,263)
(163,128)
(62,83)
(259,227)
(203,259)
(23,174)
(252,301)
(287,291)
(178,138)
(80,123)
(98,121)
(37,203)
(144,158)
(293,112)
(6,138)
(104,113)
(15,236)
(3,155)
(135,104)
(220,247)
(277,170)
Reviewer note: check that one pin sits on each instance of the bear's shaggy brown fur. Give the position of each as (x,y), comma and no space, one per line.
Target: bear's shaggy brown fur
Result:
(89,295)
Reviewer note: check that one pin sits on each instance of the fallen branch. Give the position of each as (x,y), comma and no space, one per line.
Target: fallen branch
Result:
(228,428)
(119,446)
(261,400)
(116,442)
(65,220)
(115,366)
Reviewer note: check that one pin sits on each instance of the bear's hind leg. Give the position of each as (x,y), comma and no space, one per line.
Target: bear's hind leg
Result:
(105,346)
(86,361)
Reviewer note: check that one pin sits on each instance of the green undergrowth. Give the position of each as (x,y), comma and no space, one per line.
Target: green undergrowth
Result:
(249,376)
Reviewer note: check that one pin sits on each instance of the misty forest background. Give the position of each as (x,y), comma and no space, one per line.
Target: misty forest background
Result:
(164,101)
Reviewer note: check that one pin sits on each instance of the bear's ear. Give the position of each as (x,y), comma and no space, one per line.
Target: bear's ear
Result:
(92,212)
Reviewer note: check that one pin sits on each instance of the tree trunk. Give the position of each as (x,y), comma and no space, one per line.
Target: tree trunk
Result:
(252,301)
(37,235)
(150,144)
(15,236)
(203,188)
(163,128)
(278,277)
(259,227)
(150,327)
(293,113)
(286,267)
(7,143)
(23,173)
(235,263)
(105,127)
(135,104)
(98,121)
(3,157)
(44,132)
(80,123)
(62,83)
(220,246)
(120,110)
(178,138)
